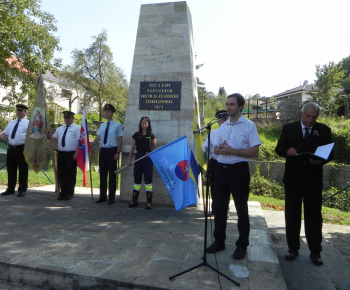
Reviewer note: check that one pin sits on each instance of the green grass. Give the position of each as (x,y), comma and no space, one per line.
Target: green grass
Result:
(330,215)
(39,179)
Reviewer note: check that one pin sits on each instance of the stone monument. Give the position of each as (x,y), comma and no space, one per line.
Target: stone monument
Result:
(163,86)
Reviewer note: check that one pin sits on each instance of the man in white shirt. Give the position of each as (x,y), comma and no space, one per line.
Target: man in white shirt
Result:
(110,135)
(16,132)
(68,141)
(238,141)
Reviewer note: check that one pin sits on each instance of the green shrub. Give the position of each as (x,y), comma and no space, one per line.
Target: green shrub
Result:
(259,185)
(340,201)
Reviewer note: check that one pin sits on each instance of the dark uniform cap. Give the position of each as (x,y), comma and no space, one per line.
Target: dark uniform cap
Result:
(21,107)
(220,114)
(109,107)
(68,114)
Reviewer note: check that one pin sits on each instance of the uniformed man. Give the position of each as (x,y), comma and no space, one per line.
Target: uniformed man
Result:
(110,135)
(68,142)
(16,132)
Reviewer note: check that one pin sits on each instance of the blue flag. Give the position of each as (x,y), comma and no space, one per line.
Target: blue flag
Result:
(173,162)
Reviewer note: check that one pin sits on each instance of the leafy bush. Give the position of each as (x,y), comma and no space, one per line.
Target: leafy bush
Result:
(265,187)
(340,201)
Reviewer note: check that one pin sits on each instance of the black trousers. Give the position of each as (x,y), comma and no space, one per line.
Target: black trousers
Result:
(145,167)
(235,180)
(15,159)
(107,166)
(67,172)
(312,218)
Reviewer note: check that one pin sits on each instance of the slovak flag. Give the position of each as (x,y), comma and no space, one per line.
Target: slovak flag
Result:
(84,148)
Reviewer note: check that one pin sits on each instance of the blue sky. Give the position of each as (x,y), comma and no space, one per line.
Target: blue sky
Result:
(246,46)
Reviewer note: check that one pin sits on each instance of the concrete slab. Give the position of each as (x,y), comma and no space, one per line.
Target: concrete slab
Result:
(78,244)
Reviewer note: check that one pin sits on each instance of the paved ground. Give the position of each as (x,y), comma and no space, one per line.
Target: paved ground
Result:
(77,244)
(302,274)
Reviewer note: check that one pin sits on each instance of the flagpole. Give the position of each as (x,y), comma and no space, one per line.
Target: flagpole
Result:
(131,163)
(53,157)
(204,205)
(92,191)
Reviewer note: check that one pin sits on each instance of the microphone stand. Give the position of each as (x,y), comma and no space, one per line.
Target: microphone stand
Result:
(205,263)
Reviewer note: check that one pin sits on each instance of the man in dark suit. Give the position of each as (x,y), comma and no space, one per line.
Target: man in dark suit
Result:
(303,180)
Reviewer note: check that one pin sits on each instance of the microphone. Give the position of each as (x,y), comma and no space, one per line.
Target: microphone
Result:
(222,115)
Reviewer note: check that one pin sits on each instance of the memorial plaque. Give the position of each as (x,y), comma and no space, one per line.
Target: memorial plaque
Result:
(160,96)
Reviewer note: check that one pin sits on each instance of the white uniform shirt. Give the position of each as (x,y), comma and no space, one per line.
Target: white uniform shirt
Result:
(72,137)
(115,130)
(240,135)
(21,132)
(213,136)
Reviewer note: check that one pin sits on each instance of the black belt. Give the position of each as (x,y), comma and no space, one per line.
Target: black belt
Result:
(228,166)
(15,146)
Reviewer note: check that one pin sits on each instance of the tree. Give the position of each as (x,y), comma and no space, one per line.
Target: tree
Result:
(102,80)
(222,92)
(73,89)
(346,67)
(328,87)
(27,45)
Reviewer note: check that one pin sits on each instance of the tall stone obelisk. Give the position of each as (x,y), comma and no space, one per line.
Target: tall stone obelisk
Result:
(163,85)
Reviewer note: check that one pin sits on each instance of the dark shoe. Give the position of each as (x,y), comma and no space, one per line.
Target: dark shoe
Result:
(110,202)
(316,258)
(21,193)
(239,253)
(149,199)
(291,255)
(133,204)
(69,197)
(215,248)
(7,192)
(100,200)
(210,214)
(60,197)
(135,196)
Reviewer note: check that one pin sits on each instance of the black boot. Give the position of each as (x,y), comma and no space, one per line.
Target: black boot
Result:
(135,196)
(149,199)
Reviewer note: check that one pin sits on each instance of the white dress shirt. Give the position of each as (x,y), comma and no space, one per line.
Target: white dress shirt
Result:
(240,135)
(21,132)
(72,137)
(115,130)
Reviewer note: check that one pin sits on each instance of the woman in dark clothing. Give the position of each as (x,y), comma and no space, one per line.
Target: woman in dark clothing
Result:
(145,142)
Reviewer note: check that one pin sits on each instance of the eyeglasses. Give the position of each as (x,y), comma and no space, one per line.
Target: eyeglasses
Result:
(144,118)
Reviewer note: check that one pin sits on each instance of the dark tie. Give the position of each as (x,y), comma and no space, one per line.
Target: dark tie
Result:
(63,143)
(106,134)
(307,133)
(13,134)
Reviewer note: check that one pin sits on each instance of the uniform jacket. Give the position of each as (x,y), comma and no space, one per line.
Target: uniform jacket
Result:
(299,173)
